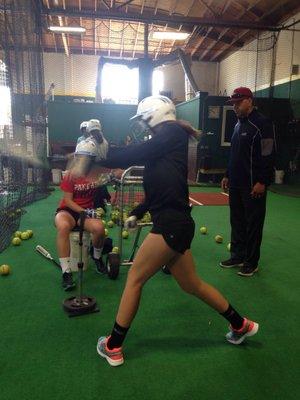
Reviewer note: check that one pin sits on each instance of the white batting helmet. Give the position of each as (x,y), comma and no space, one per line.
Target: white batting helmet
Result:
(86,147)
(93,124)
(155,109)
(90,147)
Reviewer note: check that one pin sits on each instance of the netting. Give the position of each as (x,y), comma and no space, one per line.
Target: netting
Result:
(23,172)
(129,193)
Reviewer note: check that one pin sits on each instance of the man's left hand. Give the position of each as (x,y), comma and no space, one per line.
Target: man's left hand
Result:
(258,190)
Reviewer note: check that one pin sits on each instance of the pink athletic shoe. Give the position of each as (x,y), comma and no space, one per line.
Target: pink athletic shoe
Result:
(114,357)
(249,328)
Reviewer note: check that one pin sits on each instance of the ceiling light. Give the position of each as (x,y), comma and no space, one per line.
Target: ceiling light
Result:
(171,35)
(67,29)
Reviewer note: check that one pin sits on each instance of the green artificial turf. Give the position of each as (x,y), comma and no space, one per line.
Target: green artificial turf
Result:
(175,348)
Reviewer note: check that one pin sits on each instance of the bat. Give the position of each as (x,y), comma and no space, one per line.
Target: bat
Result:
(40,249)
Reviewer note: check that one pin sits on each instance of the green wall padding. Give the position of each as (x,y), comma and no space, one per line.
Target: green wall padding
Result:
(64,120)
(288,90)
(189,111)
(211,155)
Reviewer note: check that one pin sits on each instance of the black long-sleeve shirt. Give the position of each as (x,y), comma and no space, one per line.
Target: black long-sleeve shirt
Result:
(165,157)
(140,210)
(252,149)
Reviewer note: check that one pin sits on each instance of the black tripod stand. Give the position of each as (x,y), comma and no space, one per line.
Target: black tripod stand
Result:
(81,304)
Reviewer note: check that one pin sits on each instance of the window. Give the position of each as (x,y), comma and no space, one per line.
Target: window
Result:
(120,84)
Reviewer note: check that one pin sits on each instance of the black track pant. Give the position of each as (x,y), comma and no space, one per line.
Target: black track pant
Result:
(247,215)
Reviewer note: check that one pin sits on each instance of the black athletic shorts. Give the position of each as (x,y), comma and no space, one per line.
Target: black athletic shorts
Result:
(177,228)
(74,214)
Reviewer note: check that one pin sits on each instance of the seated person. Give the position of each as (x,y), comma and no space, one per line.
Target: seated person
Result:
(79,187)
(83,131)
(94,132)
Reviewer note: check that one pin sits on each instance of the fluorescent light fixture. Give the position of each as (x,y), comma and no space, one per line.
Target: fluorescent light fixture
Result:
(171,35)
(67,29)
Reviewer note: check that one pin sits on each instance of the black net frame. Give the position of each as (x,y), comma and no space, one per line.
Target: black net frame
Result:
(24,174)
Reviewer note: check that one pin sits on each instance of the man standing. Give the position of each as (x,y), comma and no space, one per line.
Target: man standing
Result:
(250,171)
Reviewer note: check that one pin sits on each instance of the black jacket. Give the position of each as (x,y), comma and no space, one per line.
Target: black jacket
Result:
(165,157)
(252,151)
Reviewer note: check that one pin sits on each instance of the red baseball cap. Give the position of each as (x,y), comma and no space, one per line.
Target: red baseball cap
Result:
(239,94)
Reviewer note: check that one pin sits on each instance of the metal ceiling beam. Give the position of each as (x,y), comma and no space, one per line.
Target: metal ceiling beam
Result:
(53,35)
(106,5)
(201,40)
(209,33)
(196,30)
(136,40)
(185,14)
(224,31)
(160,19)
(173,8)
(123,4)
(64,37)
(208,6)
(137,31)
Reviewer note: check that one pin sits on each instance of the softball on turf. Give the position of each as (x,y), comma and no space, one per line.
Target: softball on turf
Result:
(125,234)
(106,232)
(229,246)
(24,235)
(18,234)
(16,241)
(4,269)
(203,230)
(30,232)
(100,211)
(218,239)
(115,250)
(110,224)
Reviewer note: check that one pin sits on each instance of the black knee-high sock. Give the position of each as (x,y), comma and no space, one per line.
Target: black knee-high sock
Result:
(117,336)
(233,317)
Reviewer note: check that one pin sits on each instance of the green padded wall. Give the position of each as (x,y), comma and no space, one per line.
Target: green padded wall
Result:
(286,90)
(211,155)
(189,111)
(64,119)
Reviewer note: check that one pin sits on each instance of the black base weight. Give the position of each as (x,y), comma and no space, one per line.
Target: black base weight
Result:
(76,306)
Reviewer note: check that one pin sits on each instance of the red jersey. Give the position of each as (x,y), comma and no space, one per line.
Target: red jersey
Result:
(83,191)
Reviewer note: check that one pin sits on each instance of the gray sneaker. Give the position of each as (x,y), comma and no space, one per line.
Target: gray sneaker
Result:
(249,328)
(247,270)
(231,263)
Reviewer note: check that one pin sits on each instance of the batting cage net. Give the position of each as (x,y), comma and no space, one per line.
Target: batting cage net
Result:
(23,166)
(129,194)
